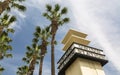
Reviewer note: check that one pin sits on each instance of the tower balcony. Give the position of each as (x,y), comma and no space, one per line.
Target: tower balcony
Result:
(77,50)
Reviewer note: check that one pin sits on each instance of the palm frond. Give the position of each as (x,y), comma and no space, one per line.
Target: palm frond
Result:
(12,19)
(58,15)
(36,34)
(29,48)
(4,34)
(1,69)
(47,16)
(60,23)
(8,9)
(20,7)
(24,59)
(57,8)
(55,42)
(10,30)
(65,20)
(8,55)
(35,40)
(64,10)
(22,70)
(38,29)
(8,39)
(34,45)
(28,55)
(6,16)
(49,7)
(47,28)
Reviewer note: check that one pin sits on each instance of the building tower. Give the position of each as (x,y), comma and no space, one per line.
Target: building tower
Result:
(80,59)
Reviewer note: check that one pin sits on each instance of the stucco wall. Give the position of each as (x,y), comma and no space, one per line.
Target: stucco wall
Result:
(84,67)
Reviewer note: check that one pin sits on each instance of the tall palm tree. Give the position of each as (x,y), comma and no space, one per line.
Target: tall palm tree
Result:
(36,52)
(31,55)
(55,15)
(5,21)
(44,35)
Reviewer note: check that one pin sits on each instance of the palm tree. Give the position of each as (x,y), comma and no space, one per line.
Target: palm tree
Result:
(55,16)
(32,55)
(5,21)
(36,52)
(44,35)
(8,4)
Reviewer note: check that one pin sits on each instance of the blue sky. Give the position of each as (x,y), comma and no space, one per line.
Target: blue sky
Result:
(99,19)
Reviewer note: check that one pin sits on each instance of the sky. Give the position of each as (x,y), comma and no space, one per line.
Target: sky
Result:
(99,19)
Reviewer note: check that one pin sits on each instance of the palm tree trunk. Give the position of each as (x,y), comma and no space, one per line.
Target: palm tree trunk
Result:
(41,65)
(1,29)
(42,54)
(53,32)
(1,56)
(32,66)
(52,56)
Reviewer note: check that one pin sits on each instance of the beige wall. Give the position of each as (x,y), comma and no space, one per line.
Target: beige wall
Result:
(74,68)
(84,67)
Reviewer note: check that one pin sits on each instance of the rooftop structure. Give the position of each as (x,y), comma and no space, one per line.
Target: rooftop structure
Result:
(79,58)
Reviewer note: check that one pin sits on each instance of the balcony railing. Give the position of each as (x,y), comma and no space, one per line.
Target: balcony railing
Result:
(82,51)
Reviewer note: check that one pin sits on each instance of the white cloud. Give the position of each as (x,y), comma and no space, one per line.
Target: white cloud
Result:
(20,14)
(94,16)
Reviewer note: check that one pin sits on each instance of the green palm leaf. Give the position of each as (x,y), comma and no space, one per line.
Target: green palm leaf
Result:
(65,20)
(49,7)
(12,19)
(10,30)
(19,7)
(1,69)
(47,16)
(38,29)
(36,34)
(29,48)
(35,40)
(57,8)
(64,10)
